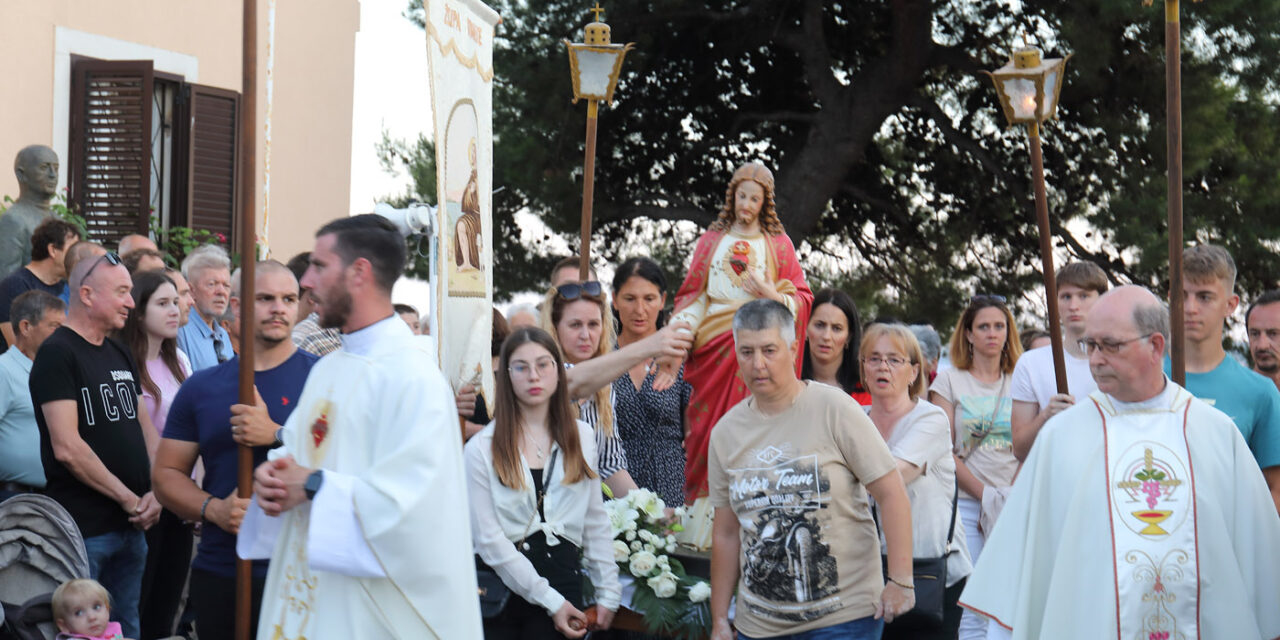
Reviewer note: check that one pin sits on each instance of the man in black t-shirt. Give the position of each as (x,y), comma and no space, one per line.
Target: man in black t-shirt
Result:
(95,437)
(45,272)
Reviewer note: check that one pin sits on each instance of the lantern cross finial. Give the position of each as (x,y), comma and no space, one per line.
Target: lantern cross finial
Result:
(598,10)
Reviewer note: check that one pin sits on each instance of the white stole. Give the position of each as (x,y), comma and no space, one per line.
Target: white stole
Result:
(1152,507)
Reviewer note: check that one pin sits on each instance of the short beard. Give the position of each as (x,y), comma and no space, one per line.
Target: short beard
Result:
(1269,369)
(336,311)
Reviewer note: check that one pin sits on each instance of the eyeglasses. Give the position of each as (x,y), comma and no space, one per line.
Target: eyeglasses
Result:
(522,369)
(987,297)
(575,290)
(111,257)
(893,361)
(1089,345)
(217,349)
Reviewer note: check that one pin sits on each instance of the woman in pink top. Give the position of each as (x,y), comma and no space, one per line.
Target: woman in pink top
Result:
(151,333)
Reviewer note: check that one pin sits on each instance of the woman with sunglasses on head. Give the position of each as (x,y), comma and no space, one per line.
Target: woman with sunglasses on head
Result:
(975,395)
(536,507)
(919,437)
(151,333)
(745,255)
(650,419)
(833,333)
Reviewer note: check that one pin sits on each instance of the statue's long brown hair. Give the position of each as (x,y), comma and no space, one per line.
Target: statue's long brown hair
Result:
(769,222)
(508,427)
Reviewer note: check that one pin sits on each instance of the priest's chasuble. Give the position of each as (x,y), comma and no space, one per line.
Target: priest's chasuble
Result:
(1134,521)
(384,549)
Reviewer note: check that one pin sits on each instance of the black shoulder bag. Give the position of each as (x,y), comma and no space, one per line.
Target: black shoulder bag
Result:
(929,575)
(493,592)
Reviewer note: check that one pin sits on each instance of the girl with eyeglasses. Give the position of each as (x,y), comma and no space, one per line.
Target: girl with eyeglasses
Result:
(919,437)
(536,506)
(833,333)
(151,332)
(975,395)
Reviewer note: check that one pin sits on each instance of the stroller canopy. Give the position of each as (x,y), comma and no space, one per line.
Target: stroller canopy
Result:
(40,548)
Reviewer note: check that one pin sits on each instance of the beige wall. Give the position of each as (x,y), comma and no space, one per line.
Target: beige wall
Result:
(201,40)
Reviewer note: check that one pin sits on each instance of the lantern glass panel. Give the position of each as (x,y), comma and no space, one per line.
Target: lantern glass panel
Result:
(1050,93)
(594,68)
(1022,97)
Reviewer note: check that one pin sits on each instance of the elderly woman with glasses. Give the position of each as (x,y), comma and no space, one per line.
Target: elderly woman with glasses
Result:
(919,437)
(975,395)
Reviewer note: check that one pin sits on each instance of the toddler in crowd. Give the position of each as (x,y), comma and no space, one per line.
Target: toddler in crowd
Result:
(82,611)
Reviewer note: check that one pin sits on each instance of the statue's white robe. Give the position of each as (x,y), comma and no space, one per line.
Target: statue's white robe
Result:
(384,550)
(1048,571)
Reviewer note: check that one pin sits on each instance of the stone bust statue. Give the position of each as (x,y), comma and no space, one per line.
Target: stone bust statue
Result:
(36,167)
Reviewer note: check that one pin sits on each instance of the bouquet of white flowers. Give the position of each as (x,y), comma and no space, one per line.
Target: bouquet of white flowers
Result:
(672,602)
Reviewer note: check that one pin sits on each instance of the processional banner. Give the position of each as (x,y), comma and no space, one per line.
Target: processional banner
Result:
(460,63)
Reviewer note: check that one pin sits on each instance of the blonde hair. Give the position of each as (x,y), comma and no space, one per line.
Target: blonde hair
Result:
(81,587)
(553,306)
(961,350)
(1207,262)
(902,338)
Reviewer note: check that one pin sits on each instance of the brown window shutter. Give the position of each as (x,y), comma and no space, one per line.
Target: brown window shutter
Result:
(212,192)
(109,163)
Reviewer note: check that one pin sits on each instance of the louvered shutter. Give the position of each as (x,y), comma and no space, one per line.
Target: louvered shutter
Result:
(109,164)
(211,193)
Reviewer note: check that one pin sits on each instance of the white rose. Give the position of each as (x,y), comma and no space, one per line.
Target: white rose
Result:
(620,551)
(642,563)
(671,540)
(630,535)
(663,585)
(631,526)
(650,548)
(671,548)
(664,562)
(699,592)
(645,535)
(636,545)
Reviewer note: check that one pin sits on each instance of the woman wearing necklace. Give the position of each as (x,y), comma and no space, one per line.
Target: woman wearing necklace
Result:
(650,420)
(745,255)
(975,395)
(833,334)
(536,506)
(919,437)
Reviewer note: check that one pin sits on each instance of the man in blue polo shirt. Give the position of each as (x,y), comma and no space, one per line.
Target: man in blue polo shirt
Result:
(205,421)
(1251,401)
(206,343)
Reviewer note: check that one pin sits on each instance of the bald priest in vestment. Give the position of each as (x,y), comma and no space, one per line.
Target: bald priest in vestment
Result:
(1139,513)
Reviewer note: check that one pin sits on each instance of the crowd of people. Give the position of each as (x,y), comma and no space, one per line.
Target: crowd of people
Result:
(858,482)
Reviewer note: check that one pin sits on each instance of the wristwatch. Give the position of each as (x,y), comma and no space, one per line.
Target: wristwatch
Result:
(279,438)
(312,485)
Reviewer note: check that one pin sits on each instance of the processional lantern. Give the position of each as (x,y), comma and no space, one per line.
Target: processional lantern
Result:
(594,66)
(1029,88)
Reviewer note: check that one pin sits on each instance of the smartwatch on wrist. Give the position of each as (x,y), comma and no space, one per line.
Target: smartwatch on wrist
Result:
(312,485)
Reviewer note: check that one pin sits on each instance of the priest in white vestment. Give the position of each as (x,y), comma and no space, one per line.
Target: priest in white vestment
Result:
(363,509)
(1139,513)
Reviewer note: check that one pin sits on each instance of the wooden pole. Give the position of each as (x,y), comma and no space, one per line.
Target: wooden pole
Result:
(588,190)
(1046,257)
(248,257)
(1173,102)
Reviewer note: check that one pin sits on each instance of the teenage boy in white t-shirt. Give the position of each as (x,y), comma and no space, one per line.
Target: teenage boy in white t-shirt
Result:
(1035,386)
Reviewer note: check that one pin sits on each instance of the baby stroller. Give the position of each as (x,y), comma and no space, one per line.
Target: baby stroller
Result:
(40,548)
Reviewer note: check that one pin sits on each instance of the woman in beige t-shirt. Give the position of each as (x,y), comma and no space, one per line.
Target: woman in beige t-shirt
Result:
(974,393)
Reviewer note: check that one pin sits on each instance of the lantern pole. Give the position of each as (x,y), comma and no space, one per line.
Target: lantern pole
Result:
(248,259)
(1173,105)
(588,189)
(1046,257)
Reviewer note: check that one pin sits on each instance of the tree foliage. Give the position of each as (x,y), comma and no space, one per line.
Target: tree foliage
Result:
(895,172)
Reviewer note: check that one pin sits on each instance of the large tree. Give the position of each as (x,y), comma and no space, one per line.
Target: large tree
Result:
(890,153)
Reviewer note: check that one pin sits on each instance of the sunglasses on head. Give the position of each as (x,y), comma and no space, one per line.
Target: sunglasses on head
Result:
(575,290)
(110,257)
(987,297)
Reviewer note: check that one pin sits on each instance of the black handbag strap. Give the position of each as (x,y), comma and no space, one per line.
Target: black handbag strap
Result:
(951,533)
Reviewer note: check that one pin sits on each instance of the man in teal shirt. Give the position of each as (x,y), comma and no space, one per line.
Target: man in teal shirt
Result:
(35,315)
(1250,400)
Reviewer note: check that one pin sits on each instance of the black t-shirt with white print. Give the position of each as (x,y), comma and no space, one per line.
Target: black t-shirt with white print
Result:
(103,382)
